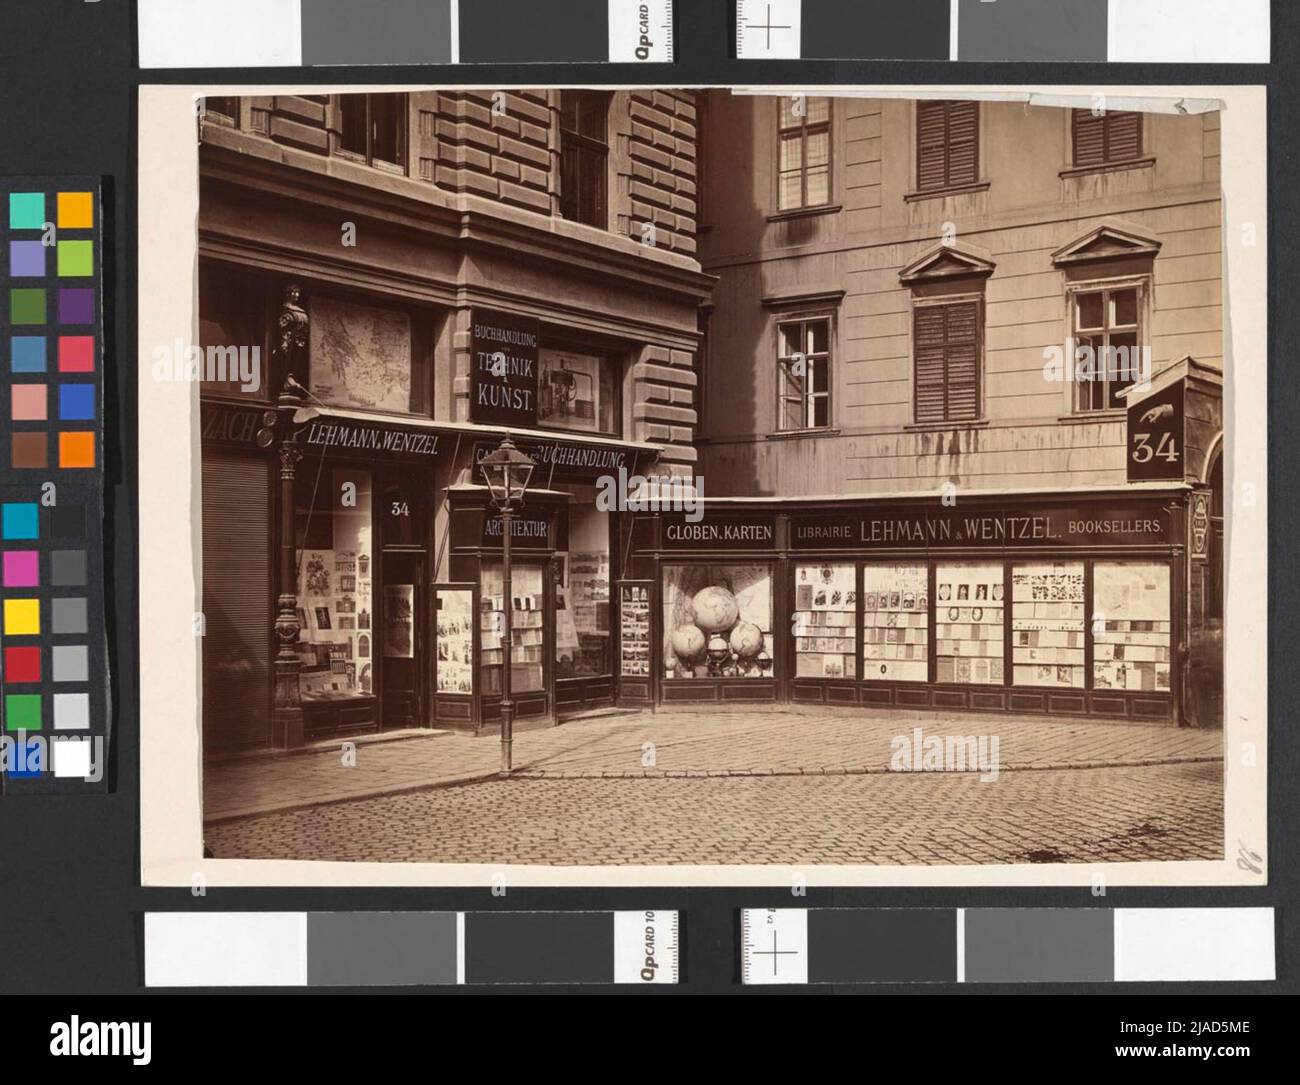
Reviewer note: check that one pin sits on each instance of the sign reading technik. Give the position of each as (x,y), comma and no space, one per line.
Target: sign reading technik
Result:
(503,368)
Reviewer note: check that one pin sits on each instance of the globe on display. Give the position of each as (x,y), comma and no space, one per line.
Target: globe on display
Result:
(746,640)
(716,609)
(688,642)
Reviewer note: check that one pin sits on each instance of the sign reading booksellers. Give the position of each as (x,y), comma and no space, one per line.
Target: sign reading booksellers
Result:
(994,529)
(503,368)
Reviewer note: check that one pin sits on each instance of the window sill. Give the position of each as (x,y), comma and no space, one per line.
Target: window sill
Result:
(1082,418)
(799,434)
(1109,167)
(931,427)
(805,212)
(940,193)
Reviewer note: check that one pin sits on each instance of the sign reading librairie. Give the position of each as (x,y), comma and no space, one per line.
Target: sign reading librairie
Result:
(503,368)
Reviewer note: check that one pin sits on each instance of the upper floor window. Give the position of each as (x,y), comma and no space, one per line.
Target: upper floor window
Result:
(947,343)
(1106,138)
(370,357)
(221,109)
(584,156)
(1108,345)
(373,127)
(803,374)
(577,390)
(947,145)
(804,167)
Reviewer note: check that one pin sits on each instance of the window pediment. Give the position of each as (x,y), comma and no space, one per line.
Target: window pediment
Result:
(945,262)
(1107,242)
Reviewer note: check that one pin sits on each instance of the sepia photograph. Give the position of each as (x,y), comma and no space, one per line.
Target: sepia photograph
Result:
(736,479)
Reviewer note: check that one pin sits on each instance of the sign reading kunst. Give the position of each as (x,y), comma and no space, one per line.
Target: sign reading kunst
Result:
(503,368)
(1147,525)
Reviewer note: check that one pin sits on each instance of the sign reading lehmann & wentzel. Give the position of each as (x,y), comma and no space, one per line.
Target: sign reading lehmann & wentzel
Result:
(503,368)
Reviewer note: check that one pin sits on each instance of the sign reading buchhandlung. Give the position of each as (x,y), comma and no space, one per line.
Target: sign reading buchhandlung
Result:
(503,368)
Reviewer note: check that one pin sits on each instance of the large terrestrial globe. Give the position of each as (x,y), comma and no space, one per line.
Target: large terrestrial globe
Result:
(688,642)
(746,640)
(716,609)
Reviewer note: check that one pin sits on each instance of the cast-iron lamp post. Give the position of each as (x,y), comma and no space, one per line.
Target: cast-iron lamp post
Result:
(506,471)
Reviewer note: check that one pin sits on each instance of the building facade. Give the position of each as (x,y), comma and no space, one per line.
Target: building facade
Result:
(961,428)
(421,274)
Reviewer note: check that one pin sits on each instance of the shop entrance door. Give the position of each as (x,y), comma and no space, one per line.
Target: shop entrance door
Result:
(402,633)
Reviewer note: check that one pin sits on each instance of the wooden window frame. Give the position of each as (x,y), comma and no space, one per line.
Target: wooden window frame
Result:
(1143,285)
(949,182)
(803,320)
(1107,160)
(805,129)
(572,140)
(368,156)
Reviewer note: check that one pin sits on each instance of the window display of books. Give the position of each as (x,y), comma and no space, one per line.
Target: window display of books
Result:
(1130,628)
(968,614)
(1047,624)
(455,640)
(527,630)
(634,630)
(825,637)
(895,623)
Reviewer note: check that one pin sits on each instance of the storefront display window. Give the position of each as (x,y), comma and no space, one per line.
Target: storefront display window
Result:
(455,645)
(825,637)
(895,623)
(575,391)
(527,629)
(1131,627)
(582,626)
(634,642)
(1047,624)
(366,357)
(968,606)
(335,577)
(717,621)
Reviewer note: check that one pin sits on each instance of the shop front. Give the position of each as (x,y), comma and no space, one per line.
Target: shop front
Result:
(1016,603)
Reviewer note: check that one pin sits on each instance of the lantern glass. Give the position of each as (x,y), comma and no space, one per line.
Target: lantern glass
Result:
(507,472)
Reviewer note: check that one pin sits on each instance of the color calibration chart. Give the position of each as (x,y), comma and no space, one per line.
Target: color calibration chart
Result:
(1006,945)
(1118,31)
(355,949)
(292,33)
(53,671)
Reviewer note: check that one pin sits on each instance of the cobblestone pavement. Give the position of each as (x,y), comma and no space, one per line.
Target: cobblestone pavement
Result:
(763,741)
(1153,812)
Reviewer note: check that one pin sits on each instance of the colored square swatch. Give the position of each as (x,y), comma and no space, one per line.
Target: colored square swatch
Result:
(76,449)
(26,210)
(1029,30)
(27,354)
(76,260)
(30,451)
(353,949)
(76,210)
(31,761)
(66,522)
(381,32)
(68,615)
(76,354)
(27,306)
(1040,945)
(71,711)
(68,568)
(20,520)
(76,402)
(27,404)
(71,758)
(76,306)
(22,617)
(70,662)
(22,664)
(26,259)
(22,569)
(23,712)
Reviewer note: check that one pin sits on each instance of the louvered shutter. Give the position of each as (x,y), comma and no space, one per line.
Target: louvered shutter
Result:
(931,145)
(946,342)
(963,360)
(1123,136)
(236,600)
(929,338)
(963,143)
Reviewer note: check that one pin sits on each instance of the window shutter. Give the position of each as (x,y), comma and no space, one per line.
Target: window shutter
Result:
(946,342)
(963,143)
(929,337)
(1123,136)
(931,145)
(1089,138)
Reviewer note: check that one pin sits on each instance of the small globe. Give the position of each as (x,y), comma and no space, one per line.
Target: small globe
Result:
(746,640)
(716,609)
(687,642)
